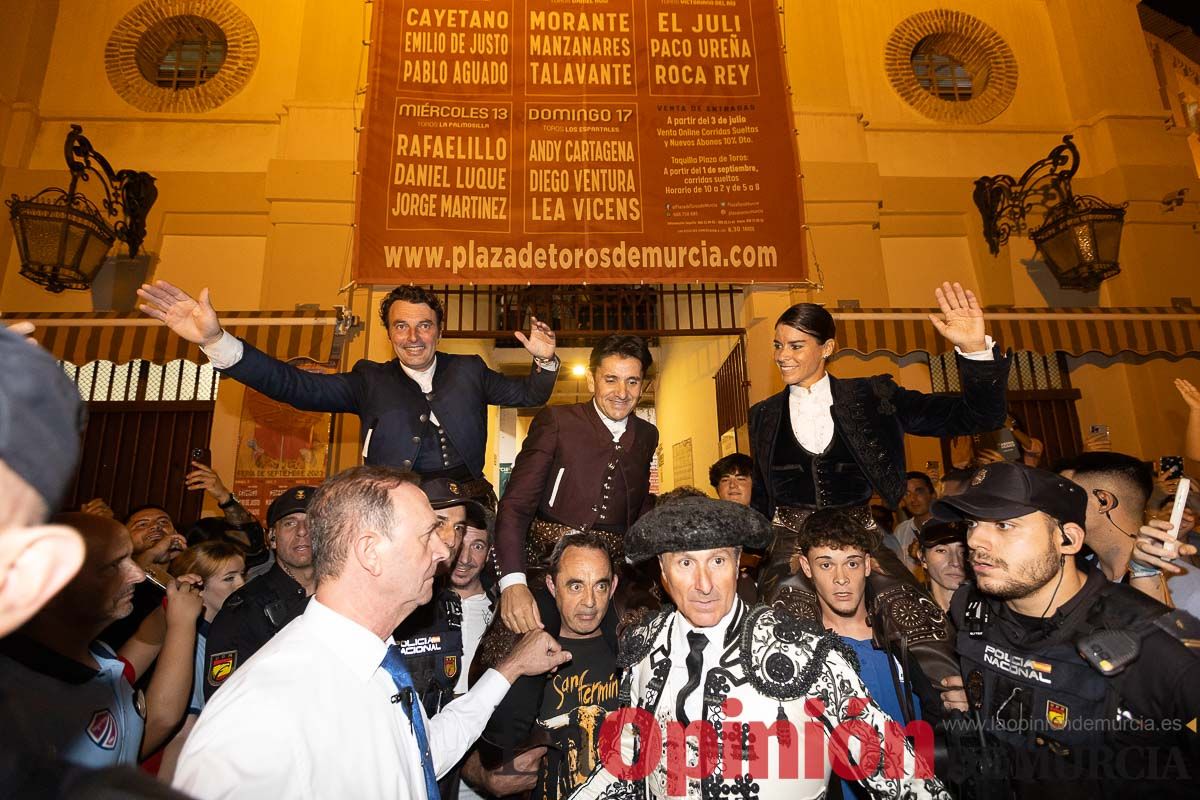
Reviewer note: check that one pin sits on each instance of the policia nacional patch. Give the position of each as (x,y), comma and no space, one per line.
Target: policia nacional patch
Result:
(221,666)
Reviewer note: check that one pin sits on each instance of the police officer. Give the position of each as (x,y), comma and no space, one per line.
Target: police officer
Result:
(257,611)
(1086,686)
(431,638)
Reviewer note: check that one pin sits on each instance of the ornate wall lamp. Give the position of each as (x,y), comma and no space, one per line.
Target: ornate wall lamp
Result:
(1080,235)
(62,237)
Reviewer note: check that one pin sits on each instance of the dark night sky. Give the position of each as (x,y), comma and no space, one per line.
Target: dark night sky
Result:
(1185,12)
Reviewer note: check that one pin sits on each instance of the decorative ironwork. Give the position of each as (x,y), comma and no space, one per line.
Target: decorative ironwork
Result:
(62,236)
(1079,235)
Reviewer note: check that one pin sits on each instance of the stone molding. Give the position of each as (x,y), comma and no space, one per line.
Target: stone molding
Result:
(981,50)
(130,57)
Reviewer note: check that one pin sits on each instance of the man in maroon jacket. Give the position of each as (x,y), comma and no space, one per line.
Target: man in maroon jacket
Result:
(582,467)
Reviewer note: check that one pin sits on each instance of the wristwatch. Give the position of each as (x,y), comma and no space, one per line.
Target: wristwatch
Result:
(228,503)
(544,362)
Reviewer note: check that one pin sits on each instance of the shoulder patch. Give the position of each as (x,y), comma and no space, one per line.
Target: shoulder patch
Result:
(783,655)
(220,667)
(640,629)
(102,729)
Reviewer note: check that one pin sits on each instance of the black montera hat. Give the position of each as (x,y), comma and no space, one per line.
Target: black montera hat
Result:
(444,493)
(695,523)
(41,418)
(1007,490)
(293,501)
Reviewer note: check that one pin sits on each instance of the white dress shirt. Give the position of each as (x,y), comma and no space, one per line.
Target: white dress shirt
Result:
(617,429)
(677,679)
(424,379)
(809,409)
(225,352)
(476,616)
(310,716)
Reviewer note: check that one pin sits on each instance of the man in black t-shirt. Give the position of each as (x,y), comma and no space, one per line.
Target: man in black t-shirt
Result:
(545,735)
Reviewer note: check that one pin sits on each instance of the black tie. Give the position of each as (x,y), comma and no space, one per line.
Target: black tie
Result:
(695,660)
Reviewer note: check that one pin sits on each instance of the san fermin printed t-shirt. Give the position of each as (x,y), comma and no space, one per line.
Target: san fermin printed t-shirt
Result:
(574,704)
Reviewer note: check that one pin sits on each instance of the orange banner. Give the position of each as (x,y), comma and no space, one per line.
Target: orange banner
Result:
(552,141)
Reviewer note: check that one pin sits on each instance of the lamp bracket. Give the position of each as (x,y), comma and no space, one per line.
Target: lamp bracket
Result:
(128,193)
(1004,201)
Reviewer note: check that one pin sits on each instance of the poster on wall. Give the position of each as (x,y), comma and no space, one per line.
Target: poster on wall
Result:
(279,447)
(603,141)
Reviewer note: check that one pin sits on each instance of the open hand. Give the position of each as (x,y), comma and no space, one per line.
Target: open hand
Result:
(540,342)
(1189,393)
(189,318)
(961,322)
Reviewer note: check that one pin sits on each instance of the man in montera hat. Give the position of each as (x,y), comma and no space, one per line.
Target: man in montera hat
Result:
(716,661)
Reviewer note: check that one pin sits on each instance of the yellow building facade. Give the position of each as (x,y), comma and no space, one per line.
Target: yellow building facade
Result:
(256,181)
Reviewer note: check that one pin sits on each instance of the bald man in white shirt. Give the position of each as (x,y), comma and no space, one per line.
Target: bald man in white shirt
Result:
(323,710)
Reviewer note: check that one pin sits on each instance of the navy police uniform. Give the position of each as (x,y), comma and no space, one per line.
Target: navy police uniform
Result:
(258,610)
(247,621)
(1092,701)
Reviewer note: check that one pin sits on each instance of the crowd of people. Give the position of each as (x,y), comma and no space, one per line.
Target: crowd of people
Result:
(1024,630)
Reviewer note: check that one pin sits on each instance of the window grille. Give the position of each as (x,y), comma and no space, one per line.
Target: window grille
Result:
(180,380)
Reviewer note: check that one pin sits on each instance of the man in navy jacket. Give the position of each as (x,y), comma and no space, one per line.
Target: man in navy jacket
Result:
(424,410)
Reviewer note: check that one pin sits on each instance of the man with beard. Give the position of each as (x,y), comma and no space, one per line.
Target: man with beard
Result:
(260,609)
(583,467)
(1086,684)
(436,638)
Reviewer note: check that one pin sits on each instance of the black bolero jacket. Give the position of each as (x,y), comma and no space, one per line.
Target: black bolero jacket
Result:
(392,405)
(873,414)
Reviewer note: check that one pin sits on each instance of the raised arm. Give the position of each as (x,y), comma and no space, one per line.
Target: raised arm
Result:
(522,497)
(190,318)
(171,687)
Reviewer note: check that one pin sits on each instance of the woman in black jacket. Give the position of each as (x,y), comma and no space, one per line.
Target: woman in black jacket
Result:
(829,443)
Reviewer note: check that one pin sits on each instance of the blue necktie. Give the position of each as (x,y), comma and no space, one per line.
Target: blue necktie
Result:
(393,662)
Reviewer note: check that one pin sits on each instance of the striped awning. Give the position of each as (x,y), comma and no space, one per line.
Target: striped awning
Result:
(1075,331)
(122,336)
